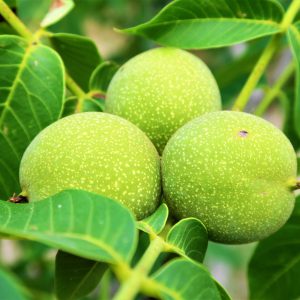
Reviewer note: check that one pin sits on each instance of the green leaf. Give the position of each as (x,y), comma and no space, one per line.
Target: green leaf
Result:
(32,14)
(78,222)
(89,104)
(295,217)
(189,238)
(58,10)
(294,40)
(93,104)
(185,280)
(143,244)
(199,24)
(102,76)
(155,223)
(6,29)
(275,266)
(231,71)
(79,54)
(10,287)
(10,3)
(70,106)
(31,98)
(223,293)
(287,102)
(75,276)
(105,286)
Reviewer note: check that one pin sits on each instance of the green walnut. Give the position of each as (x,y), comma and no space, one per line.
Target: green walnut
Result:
(162,89)
(96,152)
(235,172)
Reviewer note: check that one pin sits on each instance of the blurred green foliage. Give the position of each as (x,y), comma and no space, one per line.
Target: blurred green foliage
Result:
(114,13)
(231,67)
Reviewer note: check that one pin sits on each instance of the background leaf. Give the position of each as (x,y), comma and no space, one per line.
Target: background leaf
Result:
(10,3)
(34,268)
(31,98)
(88,104)
(77,222)
(80,56)
(287,102)
(93,104)
(186,280)
(189,238)
(75,276)
(102,76)
(155,223)
(31,13)
(231,70)
(10,287)
(275,266)
(58,10)
(198,24)
(69,106)
(294,39)
(223,293)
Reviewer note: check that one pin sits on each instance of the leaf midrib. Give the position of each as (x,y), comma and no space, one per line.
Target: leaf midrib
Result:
(117,259)
(217,20)
(84,279)
(278,275)
(22,67)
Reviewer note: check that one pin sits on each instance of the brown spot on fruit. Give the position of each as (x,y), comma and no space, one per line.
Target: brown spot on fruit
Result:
(243,133)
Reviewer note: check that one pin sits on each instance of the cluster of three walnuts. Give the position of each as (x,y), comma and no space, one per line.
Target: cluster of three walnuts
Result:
(233,171)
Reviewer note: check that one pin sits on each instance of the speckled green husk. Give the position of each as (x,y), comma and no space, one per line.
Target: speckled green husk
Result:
(96,152)
(234,172)
(162,89)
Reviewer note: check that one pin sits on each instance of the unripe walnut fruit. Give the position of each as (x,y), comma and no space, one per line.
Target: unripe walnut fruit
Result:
(96,152)
(162,89)
(235,172)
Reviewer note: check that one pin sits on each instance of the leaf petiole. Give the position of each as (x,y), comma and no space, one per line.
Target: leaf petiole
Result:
(23,31)
(290,15)
(132,285)
(14,21)
(76,90)
(256,74)
(296,186)
(244,96)
(275,90)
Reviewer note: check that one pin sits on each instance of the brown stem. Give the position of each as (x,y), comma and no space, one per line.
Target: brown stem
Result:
(295,186)
(18,199)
